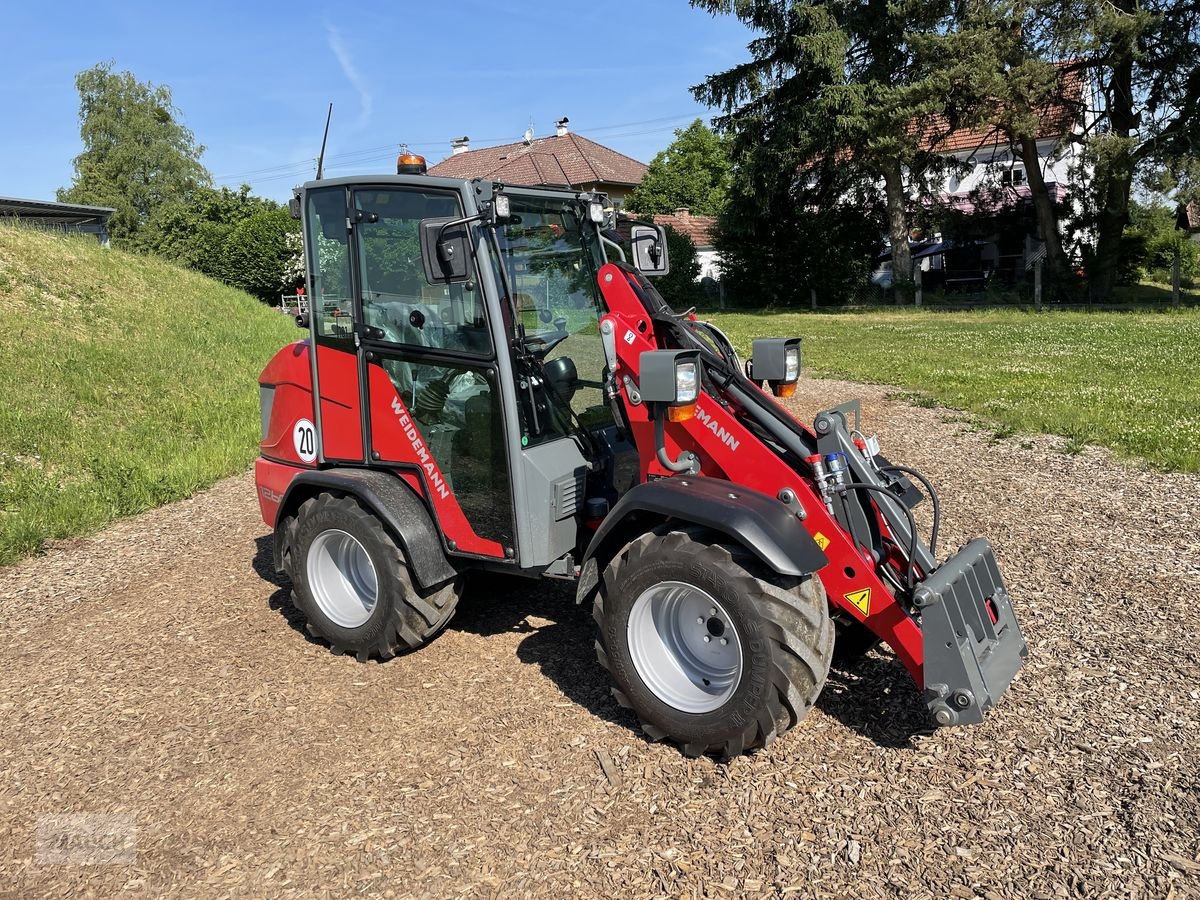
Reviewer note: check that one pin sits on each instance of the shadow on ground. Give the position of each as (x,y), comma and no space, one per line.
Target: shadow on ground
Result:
(874,696)
(281,600)
(559,636)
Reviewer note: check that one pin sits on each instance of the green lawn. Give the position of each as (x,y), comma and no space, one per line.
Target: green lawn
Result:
(128,383)
(1128,381)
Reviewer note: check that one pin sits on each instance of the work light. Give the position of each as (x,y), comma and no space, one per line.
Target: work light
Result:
(596,211)
(777,362)
(500,206)
(671,378)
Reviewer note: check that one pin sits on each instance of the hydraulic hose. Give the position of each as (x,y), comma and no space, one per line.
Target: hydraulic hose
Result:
(912,522)
(937,507)
(683,464)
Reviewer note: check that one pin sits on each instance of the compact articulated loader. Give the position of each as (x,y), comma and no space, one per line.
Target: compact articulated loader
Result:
(487,384)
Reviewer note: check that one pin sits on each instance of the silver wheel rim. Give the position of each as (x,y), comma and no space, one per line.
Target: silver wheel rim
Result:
(684,647)
(342,578)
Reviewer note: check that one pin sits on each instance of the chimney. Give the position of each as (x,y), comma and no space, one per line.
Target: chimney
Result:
(683,212)
(460,145)
(561,127)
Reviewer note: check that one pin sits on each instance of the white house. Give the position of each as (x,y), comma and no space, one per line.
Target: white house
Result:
(988,179)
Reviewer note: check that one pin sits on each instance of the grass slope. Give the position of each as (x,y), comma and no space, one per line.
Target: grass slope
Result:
(1127,381)
(128,383)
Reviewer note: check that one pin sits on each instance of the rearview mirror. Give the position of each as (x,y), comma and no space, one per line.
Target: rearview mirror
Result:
(444,250)
(649,249)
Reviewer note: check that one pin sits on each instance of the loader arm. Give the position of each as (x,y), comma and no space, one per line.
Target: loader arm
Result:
(880,572)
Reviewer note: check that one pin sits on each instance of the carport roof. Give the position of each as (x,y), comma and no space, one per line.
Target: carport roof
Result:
(52,211)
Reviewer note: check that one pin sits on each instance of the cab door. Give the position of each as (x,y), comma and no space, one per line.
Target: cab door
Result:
(420,363)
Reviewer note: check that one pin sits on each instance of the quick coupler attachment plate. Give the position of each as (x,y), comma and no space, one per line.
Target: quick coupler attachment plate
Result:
(973,644)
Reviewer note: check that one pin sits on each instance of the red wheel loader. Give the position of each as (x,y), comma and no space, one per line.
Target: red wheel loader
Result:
(489,381)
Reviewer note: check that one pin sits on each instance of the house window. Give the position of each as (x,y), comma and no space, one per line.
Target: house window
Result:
(1013,176)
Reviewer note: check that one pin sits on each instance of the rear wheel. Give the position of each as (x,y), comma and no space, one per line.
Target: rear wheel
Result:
(352,585)
(707,647)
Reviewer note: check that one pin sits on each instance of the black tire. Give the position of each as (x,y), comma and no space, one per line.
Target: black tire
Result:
(781,677)
(402,619)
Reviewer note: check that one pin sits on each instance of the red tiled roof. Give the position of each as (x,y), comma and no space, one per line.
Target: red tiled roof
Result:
(1054,120)
(698,228)
(568,159)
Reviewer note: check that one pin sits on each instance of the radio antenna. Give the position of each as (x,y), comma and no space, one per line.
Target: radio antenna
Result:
(321,158)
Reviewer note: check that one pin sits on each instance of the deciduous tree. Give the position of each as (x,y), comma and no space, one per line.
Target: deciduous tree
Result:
(137,155)
(692,172)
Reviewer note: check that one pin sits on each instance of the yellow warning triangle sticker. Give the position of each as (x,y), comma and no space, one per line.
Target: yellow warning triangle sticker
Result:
(822,541)
(861,600)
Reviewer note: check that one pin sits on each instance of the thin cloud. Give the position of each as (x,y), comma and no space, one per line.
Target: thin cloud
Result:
(366,104)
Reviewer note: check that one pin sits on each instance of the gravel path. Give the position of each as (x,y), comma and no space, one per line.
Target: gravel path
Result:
(151,672)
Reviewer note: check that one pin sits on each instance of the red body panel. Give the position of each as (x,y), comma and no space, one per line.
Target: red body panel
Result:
(729,450)
(396,437)
(341,419)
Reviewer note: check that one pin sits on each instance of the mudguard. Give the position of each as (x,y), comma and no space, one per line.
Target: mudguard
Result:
(392,501)
(764,525)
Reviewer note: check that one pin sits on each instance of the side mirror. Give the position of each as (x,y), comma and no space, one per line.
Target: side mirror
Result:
(445,252)
(294,207)
(649,249)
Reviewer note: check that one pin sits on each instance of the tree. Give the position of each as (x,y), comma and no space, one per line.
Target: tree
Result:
(256,251)
(831,91)
(233,236)
(1147,54)
(693,172)
(136,155)
(997,60)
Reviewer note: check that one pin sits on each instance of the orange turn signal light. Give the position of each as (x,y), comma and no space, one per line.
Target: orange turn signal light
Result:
(681,413)
(787,389)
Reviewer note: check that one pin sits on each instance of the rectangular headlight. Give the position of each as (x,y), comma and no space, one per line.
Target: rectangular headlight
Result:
(791,366)
(687,384)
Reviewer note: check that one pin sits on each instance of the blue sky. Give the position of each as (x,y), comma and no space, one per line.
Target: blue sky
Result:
(253,79)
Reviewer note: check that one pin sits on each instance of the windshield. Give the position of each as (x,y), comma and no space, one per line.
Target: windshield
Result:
(551,254)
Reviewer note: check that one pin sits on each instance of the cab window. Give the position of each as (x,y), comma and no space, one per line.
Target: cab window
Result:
(396,298)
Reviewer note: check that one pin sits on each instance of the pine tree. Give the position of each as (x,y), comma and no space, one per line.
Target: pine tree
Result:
(832,97)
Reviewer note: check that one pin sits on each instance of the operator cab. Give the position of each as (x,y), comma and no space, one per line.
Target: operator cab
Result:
(457,342)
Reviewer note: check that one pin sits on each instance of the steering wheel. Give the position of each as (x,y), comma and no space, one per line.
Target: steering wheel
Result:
(541,344)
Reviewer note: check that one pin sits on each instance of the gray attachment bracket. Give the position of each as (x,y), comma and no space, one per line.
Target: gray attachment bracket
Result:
(969,659)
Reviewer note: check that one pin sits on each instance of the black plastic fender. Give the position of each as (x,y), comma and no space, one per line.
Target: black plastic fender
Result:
(392,501)
(763,524)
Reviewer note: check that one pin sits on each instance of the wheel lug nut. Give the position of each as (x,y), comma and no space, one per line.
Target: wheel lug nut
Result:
(724,641)
(707,639)
(700,620)
(713,611)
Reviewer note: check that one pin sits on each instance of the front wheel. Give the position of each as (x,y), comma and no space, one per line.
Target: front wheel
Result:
(708,648)
(351,582)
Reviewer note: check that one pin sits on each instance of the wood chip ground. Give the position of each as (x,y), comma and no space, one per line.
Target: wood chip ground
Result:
(158,671)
